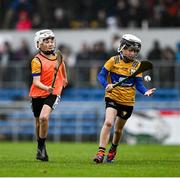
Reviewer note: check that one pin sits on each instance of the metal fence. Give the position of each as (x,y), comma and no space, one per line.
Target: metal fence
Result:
(164,74)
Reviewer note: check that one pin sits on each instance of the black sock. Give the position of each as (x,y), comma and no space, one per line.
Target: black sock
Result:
(41,142)
(113,147)
(102,149)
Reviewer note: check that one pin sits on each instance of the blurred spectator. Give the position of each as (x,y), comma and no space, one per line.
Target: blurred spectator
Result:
(122,13)
(101,19)
(112,22)
(168,54)
(23,52)
(178,52)
(60,18)
(6,55)
(178,17)
(167,74)
(13,10)
(21,58)
(87,56)
(115,42)
(23,23)
(68,55)
(99,52)
(156,52)
(84,54)
(92,14)
(137,13)
(155,14)
(83,58)
(36,21)
(83,65)
(70,61)
(170,10)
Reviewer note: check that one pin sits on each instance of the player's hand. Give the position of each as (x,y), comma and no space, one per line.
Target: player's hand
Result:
(65,82)
(50,89)
(109,87)
(150,92)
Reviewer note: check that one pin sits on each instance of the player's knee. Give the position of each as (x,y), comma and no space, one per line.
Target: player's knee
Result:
(43,119)
(108,124)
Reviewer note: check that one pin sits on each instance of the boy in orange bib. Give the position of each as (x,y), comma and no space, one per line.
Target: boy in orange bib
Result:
(44,96)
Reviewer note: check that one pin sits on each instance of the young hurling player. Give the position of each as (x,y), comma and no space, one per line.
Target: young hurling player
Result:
(44,97)
(119,100)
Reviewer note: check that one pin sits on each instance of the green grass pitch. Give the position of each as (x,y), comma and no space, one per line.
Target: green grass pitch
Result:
(75,159)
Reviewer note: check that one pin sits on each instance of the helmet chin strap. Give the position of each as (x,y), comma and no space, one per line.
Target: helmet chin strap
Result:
(125,58)
(47,52)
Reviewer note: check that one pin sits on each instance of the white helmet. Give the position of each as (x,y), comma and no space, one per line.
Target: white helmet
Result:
(129,41)
(41,35)
(132,41)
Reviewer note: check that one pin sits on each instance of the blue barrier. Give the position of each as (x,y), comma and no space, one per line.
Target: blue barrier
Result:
(72,120)
(21,122)
(90,94)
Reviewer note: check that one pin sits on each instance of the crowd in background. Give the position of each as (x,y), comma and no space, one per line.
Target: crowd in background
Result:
(89,55)
(97,51)
(24,15)
(75,14)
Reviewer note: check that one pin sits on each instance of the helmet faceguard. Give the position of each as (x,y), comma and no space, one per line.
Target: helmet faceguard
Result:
(130,42)
(42,35)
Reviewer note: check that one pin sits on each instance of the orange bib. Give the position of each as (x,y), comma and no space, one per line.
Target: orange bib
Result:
(46,77)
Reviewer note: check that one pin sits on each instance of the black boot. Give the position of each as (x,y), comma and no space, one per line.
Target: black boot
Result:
(42,154)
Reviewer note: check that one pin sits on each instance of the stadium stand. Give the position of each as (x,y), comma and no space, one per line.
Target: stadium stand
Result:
(76,122)
(90,94)
(83,94)
(90,14)
(75,118)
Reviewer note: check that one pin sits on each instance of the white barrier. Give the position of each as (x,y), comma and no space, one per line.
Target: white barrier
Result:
(74,38)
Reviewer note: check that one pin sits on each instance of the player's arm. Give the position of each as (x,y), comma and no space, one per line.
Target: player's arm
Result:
(102,76)
(39,84)
(142,89)
(36,73)
(64,74)
(139,85)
